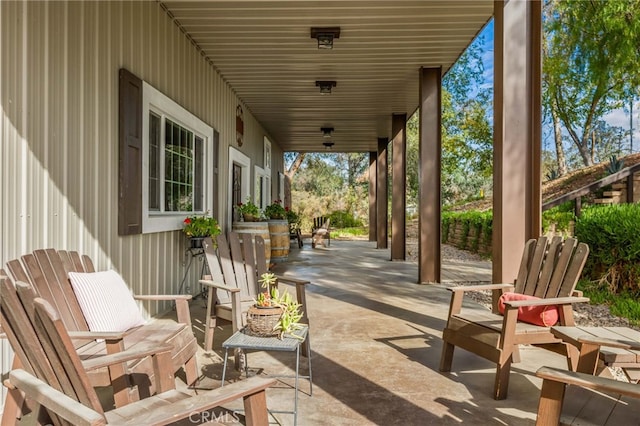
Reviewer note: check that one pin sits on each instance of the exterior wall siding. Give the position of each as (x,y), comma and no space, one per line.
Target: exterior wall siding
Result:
(59,127)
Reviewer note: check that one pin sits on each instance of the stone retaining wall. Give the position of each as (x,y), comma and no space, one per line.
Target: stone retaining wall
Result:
(482,245)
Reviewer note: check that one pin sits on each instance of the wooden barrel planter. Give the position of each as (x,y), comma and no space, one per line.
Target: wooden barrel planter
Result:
(251,229)
(279,233)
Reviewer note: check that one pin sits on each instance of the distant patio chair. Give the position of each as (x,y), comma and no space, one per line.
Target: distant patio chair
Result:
(320,231)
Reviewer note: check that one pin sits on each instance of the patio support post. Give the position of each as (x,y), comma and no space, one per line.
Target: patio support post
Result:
(381,194)
(517,201)
(399,187)
(430,147)
(372,196)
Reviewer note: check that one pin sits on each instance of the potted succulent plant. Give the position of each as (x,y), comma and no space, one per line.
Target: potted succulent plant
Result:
(274,313)
(197,228)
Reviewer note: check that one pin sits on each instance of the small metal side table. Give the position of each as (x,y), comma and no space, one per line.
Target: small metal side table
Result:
(241,340)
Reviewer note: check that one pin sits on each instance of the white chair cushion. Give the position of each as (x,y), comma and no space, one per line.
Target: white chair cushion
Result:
(105,300)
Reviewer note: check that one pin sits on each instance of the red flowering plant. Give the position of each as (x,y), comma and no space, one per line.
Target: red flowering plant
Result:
(201,226)
(248,208)
(275,210)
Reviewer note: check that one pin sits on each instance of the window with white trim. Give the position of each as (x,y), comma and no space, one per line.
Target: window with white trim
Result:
(177,163)
(262,189)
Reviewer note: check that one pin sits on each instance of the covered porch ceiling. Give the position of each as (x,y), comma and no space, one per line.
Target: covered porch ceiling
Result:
(263,48)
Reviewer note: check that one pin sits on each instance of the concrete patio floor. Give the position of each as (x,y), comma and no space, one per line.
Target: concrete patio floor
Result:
(376,342)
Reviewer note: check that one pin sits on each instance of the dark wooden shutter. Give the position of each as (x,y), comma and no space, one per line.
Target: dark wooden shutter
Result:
(130,154)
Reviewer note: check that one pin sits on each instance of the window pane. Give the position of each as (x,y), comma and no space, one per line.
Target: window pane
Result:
(154,162)
(198,178)
(179,160)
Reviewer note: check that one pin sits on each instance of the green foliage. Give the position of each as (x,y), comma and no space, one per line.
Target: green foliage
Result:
(330,182)
(561,216)
(275,210)
(343,219)
(201,226)
(350,232)
(615,165)
(613,236)
(590,62)
(292,216)
(624,304)
(553,174)
(248,208)
(467,138)
(480,222)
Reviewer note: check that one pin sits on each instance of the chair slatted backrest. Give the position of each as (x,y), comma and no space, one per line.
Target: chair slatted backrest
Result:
(47,270)
(40,339)
(215,269)
(238,264)
(551,268)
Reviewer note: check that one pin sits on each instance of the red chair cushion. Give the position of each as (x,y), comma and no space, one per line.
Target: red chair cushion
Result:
(545,316)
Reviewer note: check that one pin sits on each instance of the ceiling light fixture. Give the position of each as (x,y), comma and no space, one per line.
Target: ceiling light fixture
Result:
(325,86)
(326,131)
(325,36)
(327,145)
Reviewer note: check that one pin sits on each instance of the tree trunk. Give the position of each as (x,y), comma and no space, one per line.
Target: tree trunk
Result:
(288,201)
(557,131)
(295,165)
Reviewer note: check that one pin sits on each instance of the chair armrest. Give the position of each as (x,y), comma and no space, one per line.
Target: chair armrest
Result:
(611,343)
(589,381)
(175,297)
(94,335)
(137,352)
(289,280)
(480,287)
(59,403)
(209,283)
(546,302)
(181,301)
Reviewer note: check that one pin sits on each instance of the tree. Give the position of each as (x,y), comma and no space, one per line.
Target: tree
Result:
(591,63)
(467,136)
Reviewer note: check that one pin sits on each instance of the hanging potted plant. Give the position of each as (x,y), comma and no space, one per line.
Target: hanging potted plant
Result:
(197,228)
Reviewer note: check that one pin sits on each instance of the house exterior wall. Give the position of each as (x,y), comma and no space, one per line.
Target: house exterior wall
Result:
(59,127)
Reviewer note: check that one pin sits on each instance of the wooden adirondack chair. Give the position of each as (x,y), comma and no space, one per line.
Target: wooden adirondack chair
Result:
(555,380)
(320,231)
(549,271)
(47,271)
(233,287)
(55,377)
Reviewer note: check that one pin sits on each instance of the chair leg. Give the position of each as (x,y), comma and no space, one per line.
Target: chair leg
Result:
(501,386)
(208,333)
(515,355)
(12,411)
(255,409)
(550,404)
(191,370)
(447,357)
